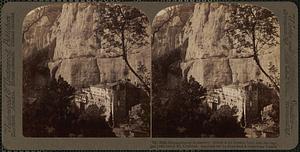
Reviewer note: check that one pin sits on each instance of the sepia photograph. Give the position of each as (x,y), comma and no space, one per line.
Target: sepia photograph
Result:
(86,71)
(215,71)
(147,75)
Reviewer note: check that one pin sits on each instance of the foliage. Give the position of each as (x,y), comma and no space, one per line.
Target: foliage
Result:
(185,114)
(253,29)
(223,123)
(92,124)
(123,28)
(144,73)
(140,118)
(54,114)
(52,111)
(274,73)
(34,65)
(145,115)
(267,95)
(138,102)
(122,25)
(161,67)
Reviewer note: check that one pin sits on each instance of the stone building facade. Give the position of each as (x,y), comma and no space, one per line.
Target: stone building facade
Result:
(116,99)
(244,97)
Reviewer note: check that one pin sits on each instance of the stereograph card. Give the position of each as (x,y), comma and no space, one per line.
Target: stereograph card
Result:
(149,75)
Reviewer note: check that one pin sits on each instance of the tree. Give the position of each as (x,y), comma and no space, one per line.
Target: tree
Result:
(144,73)
(253,29)
(52,113)
(185,114)
(35,64)
(92,124)
(123,28)
(223,123)
(274,73)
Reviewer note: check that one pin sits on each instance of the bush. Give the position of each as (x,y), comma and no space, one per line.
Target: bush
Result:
(54,114)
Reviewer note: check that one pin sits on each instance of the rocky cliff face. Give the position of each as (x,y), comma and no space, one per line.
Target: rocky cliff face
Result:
(37,26)
(170,35)
(206,53)
(206,34)
(75,53)
(207,49)
(67,31)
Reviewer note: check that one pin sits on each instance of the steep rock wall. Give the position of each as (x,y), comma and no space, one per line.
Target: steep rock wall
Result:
(37,29)
(169,37)
(206,53)
(214,61)
(76,55)
(79,72)
(210,72)
(76,40)
(206,35)
(74,32)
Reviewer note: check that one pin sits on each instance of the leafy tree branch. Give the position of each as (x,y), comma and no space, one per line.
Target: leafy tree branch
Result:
(253,29)
(124,28)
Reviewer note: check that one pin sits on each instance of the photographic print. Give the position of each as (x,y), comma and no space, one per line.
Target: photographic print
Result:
(86,71)
(147,75)
(215,70)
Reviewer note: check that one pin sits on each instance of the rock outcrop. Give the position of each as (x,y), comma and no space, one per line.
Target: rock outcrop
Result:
(75,52)
(169,37)
(206,53)
(37,31)
(198,31)
(210,72)
(206,34)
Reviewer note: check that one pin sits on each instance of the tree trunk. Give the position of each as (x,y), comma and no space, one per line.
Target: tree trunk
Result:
(130,67)
(256,59)
(137,75)
(266,74)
